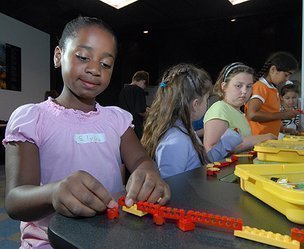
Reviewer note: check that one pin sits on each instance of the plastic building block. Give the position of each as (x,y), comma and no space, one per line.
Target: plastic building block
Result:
(221,164)
(243,155)
(297,234)
(158,219)
(234,158)
(215,220)
(112,213)
(185,220)
(267,237)
(212,171)
(185,225)
(210,165)
(148,207)
(252,152)
(133,210)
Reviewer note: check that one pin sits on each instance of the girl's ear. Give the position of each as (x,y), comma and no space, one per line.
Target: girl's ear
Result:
(194,104)
(223,84)
(57,57)
(273,69)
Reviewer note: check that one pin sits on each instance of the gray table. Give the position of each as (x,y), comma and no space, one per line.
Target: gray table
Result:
(191,190)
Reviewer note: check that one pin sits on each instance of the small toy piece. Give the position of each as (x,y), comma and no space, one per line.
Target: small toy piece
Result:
(297,234)
(212,171)
(185,225)
(133,210)
(267,237)
(221,164)
(112,213)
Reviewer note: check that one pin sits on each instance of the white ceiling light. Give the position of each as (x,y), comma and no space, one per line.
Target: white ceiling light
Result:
(118,3)
(234,2)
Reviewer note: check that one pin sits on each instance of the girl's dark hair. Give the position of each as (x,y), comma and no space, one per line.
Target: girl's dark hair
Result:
(71,28)
(282,60)
(180,85)
(289,87)
(227,73)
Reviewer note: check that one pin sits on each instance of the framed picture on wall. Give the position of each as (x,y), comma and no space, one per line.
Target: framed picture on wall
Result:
(10,67)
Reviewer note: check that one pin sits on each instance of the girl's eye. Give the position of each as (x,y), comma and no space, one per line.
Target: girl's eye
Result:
(82,58)
(105,65)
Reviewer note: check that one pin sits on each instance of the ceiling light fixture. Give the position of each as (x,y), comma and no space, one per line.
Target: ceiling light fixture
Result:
(234,2)
(118,3)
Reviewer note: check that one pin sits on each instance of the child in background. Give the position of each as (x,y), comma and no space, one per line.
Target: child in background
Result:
(289,94)
(64,155)
(168,136)
(263,108)
(233,86)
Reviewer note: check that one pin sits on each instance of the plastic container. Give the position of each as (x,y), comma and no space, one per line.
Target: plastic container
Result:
(255,179)
(293,138)
(281,151)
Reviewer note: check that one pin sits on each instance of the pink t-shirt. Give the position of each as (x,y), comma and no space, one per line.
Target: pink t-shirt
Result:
(69,140)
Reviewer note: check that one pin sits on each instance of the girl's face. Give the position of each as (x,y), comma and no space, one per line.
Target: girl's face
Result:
(277,77)
(238,90)
(199,107)
(290,99)
(87,63)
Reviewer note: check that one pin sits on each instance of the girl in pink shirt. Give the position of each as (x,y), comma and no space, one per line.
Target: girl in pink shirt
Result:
(64,155)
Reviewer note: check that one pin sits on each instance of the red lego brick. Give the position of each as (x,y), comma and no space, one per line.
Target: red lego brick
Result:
(185,225)
(112,213)
(297,234)
(158,219)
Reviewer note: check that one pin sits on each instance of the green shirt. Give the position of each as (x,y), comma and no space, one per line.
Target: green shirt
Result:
(235,118)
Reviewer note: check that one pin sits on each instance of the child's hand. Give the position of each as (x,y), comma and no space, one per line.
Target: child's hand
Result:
(81,195)
(289,114)
(145,184)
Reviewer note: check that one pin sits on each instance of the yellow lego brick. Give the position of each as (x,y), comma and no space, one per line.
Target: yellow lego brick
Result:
(209,165)
(133,210)
(267,237)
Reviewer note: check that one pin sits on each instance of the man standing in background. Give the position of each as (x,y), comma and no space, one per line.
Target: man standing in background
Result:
(132,98)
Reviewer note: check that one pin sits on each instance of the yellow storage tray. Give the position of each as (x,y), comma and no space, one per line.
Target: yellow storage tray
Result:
(256,179)
(293,138)
(281,151)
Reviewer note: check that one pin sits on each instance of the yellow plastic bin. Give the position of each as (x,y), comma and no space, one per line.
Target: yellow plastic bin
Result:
(281,151)
(256,179)
(293,138)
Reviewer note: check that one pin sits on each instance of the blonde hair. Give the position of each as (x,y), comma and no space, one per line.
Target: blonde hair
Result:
(180,85)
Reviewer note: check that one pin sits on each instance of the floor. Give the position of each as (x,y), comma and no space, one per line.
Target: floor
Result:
(9,229)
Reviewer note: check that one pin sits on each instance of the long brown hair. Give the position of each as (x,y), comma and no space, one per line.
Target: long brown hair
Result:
(180,85)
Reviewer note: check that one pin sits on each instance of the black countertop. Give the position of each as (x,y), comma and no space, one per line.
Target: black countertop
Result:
(192,190)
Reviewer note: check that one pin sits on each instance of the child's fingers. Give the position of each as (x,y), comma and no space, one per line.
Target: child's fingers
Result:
(96,196)
(133,188)
(166,197)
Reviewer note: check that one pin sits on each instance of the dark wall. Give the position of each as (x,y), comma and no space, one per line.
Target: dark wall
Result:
(210,45)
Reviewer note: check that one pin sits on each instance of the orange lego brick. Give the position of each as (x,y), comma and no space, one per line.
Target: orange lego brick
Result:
(267,237)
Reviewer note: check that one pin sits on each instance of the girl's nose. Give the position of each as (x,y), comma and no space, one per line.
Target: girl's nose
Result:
(93,67)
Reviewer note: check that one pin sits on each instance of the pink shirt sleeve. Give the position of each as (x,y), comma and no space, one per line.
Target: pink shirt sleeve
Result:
(22,125)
